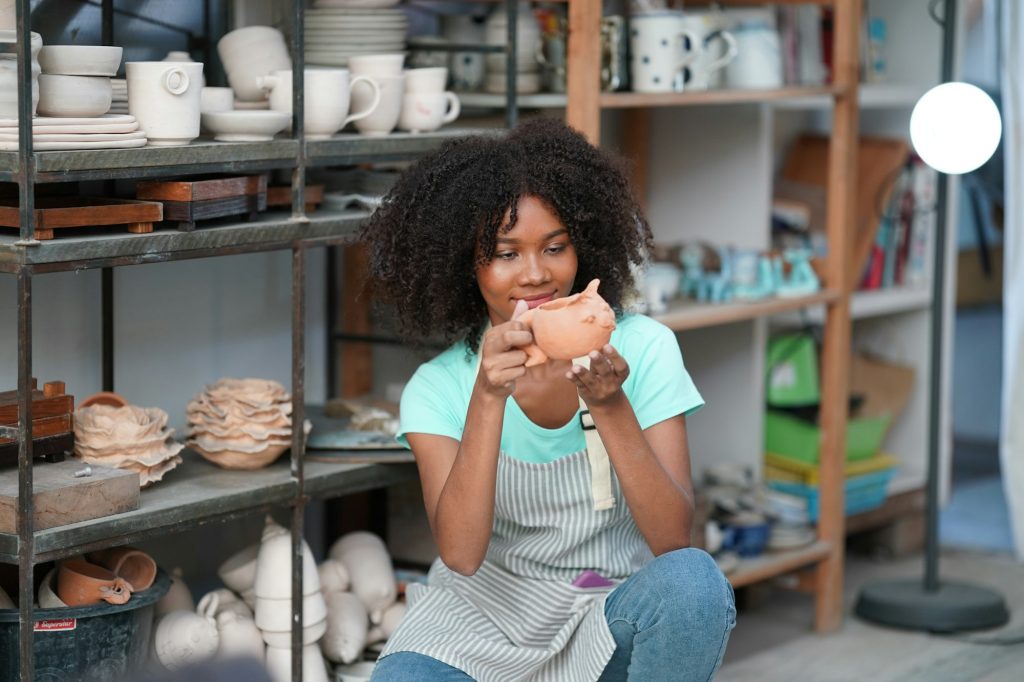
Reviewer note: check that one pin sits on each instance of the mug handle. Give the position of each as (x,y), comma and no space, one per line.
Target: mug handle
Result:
(182,80)
(731,50)
(373,105)
(694,50)
(454,107)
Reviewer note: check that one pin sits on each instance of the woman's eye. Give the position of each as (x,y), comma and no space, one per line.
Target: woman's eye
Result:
(507,255)
(556,248)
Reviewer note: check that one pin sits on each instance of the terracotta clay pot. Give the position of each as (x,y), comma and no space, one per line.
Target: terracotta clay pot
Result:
(104,398)
(133,565)
(570,327)
(80,583)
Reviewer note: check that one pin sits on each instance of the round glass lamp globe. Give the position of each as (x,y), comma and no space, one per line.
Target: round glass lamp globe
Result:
(955,127)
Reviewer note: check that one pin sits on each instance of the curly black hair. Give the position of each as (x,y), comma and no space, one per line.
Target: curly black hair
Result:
(441,220)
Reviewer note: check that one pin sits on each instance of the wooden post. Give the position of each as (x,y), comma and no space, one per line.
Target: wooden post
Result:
(836,351)
(636,146)
(356,364)
(583,69)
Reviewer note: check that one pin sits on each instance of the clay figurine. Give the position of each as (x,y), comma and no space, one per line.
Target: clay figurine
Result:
(570,327)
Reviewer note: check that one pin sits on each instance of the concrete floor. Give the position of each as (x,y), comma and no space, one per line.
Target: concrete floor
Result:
(773,639)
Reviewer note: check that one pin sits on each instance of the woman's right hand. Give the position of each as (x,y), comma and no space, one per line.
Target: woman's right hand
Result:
(502,359)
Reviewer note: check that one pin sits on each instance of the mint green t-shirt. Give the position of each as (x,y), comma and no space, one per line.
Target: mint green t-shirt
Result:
(436,399)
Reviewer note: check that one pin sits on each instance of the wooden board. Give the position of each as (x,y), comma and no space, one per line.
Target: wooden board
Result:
(187,213)
(879,161)
(59,498)
(281,195)
(64,212)
(47,426)
(50,402)
(49,449)
(202,189)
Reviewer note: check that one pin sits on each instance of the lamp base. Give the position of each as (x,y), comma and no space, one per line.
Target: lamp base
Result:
(951,608)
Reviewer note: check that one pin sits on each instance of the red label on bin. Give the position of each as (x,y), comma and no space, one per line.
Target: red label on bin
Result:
(56,625)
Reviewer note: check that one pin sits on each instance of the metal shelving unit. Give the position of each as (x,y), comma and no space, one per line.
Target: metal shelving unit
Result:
(199,493)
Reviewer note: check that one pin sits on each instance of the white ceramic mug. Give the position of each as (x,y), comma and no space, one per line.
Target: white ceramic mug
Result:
(164,97)
(427,111)
(716,49)
(758,64)
(661,48)
(328,93)
(249,53)
(433,79)
(375,65)
(384,118)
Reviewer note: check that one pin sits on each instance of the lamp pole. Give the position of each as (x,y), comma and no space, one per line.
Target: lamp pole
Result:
(934,605)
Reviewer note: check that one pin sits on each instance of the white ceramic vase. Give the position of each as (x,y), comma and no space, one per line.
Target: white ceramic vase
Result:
(370,571)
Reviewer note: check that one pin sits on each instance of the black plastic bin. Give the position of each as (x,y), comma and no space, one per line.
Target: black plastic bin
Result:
(100,643)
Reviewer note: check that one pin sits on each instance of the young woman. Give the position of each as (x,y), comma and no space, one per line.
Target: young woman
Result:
(560,559)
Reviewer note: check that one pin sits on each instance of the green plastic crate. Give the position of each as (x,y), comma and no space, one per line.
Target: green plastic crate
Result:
(800,440)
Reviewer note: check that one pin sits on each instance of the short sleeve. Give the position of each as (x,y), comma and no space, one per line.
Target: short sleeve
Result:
(660,386)
(428,405)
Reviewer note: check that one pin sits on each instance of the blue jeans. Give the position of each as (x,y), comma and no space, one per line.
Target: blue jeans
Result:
(670,620)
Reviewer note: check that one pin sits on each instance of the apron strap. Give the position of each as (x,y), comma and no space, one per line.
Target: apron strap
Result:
(597,455)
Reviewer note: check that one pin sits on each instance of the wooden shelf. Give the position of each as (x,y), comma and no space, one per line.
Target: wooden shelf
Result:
(773,564)
(869,96)
(633,100)
(692,315)
(868,304)
(487,100)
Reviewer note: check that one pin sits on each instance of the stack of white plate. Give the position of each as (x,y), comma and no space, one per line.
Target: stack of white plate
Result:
(119,99)
(110,131)
(333,34)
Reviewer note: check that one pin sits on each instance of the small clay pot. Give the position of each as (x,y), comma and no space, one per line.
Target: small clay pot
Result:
(80,583)
(104,398)
(570,327)
(136,567)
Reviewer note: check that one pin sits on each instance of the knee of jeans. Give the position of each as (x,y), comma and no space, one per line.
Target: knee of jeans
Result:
(689,578)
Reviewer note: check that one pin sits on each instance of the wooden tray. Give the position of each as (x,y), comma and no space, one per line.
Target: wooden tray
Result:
(53,213)
(50,402)
(48,449)
(188,201)
(281,195)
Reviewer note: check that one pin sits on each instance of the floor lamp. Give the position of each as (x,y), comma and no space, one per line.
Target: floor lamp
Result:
(955,128)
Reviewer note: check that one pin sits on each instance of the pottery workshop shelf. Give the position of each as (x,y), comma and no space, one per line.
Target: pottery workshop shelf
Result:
(351,149)
(632,100)
(145,162)
(691,315)
(772,564)
(271,231)
(200,493)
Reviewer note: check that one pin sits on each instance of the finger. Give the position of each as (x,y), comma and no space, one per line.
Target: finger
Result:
(585,376)
(619,364)
(600,365)
(521,307)
(516,338)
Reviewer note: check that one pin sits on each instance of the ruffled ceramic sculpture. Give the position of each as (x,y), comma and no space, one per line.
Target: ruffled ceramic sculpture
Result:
(241,423)
(569,327)
(128,437)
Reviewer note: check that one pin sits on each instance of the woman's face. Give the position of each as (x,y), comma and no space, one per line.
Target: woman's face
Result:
(534,262)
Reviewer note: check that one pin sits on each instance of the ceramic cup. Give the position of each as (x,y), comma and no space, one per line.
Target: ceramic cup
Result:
(9,75)
(375,65)
(716,49)
(384,118)
(758,64)
(216,99)
(426,80)
(328,92)
(467,68)
(427,111)
(164,97)
(249,53)
(85,96)
(661,48)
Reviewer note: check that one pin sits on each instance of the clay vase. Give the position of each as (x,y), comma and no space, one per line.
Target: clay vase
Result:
(184,637)
(80,583)
(570,327)
(370,571)
(135,566)
(346,634)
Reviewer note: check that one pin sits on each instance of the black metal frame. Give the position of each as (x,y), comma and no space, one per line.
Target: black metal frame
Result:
(26,257)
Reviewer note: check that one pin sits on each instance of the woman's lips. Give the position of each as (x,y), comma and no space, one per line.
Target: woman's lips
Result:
(538,300)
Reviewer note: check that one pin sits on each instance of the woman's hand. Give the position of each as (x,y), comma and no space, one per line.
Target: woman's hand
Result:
(502,361)
(601,384)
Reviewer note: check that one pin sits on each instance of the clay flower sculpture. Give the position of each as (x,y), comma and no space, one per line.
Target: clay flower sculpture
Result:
(129,437)
(570,327)
(241,423)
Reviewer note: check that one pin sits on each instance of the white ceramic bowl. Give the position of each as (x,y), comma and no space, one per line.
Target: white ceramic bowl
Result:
(85,96)
(80,60)
(245,126)
(283,640)
(275,615)
(239,571)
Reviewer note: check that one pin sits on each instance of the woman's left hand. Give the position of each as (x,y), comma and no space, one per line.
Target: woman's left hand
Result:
(602,383)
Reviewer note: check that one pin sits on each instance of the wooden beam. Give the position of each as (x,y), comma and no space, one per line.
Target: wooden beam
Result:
(636,146)
(828,608)
(583,69)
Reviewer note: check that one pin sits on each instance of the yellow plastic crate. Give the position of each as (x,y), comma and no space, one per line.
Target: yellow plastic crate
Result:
(779,468)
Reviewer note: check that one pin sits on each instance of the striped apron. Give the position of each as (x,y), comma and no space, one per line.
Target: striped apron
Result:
(519,617)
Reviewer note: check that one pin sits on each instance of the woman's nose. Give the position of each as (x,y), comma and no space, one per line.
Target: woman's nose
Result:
(533,271)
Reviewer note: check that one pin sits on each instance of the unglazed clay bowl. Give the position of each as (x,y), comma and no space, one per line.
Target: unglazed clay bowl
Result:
(570,327)
(80,583)
(241,461)
(80,60)
(136,567)
(245,126)
(104,398)
(84,96)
